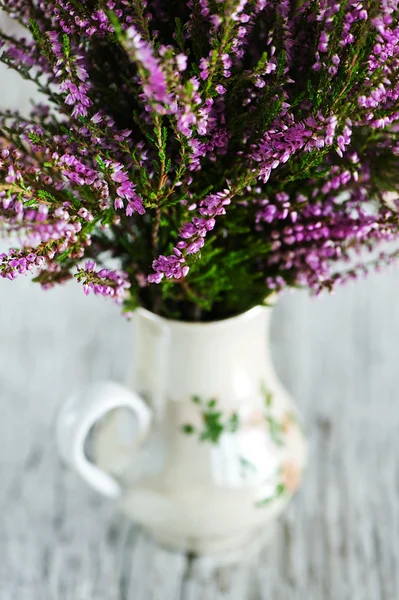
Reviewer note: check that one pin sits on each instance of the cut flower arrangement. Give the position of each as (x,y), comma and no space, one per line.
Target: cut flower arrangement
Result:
(191,159)
(217,150)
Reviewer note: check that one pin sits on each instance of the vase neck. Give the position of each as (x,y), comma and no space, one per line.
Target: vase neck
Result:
(182,360)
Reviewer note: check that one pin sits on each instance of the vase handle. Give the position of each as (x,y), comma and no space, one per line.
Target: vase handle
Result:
(81,412)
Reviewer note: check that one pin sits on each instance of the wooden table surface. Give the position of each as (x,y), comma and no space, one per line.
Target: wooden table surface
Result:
(339,540)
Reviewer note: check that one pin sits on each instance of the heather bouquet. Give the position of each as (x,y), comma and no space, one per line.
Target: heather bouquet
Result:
(195,156)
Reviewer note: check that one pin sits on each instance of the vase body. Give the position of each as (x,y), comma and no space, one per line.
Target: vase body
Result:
(225,450)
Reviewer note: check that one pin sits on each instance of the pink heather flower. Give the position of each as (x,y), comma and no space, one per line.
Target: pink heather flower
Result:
(126,189)
(135,205)
(90,265)
(154,83)
(181,62)
(185,122)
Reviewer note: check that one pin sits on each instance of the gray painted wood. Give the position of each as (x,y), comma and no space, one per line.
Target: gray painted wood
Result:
(339,539)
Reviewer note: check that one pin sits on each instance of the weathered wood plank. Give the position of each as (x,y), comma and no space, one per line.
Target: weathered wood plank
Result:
(340,537)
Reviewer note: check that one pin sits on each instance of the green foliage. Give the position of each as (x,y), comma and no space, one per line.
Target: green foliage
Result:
(279,492)
(116,24)
(34,138)
(214,422)
(66,46)
(35,29)
(268,396)
(275,430)
(46,196)
(179,34)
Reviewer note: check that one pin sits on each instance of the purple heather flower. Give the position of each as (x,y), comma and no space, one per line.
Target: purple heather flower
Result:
(181,62)
(170,108)
(154,81)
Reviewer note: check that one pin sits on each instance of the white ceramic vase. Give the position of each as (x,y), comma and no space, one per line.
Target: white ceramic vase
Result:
(211,448)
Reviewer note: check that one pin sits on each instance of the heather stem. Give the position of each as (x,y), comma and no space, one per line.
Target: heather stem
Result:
(161,182)
(155,231)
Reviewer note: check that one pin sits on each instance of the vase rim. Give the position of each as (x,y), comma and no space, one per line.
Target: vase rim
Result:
(245,316)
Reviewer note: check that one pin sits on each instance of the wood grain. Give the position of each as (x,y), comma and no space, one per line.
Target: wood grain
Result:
(339,539)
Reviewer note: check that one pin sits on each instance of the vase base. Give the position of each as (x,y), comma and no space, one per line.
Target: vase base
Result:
(224,550)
